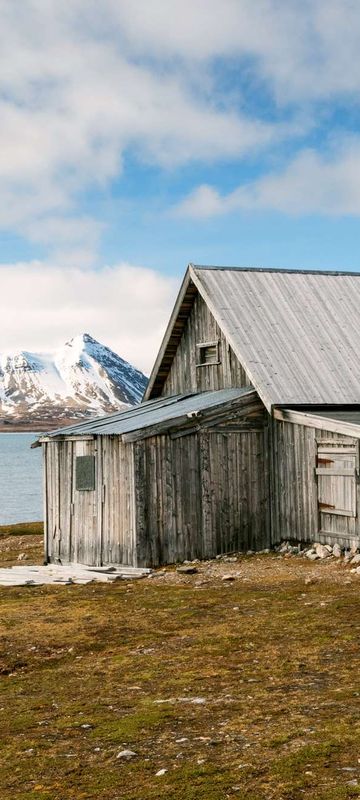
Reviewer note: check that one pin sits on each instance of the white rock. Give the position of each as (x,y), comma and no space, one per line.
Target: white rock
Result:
(336,550)
(126,754)
(160,772)
(322,551)
(355,559)
(312,556)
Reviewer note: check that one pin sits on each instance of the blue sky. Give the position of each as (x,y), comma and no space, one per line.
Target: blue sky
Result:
(139,136)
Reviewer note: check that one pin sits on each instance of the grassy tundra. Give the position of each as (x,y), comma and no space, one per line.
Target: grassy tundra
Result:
(244,689)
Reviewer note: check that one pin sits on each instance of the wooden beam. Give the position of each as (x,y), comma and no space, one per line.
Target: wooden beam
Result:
(316,421)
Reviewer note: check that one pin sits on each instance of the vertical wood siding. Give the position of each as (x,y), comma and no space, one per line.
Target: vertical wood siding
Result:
(90,527)
(201,494)
(295,512)
(116,496)
(184,375)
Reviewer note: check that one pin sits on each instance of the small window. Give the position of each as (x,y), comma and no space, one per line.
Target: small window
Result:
(207,353)
(85,474)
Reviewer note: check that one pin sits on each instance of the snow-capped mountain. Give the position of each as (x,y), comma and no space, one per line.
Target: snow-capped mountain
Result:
(84,378)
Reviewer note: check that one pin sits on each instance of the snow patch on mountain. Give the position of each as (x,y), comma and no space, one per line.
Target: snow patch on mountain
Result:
(82,378)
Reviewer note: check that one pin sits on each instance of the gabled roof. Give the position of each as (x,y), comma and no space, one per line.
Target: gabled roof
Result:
(164,412)
(296,333)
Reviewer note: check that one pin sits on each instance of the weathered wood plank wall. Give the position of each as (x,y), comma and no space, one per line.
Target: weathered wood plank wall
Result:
(202,494)
(294,488)
(117,498)
(184,375)
(90,527)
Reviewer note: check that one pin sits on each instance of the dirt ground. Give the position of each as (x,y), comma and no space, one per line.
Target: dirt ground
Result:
(244,688)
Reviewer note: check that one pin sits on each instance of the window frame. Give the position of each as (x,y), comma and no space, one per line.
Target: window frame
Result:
(202,346)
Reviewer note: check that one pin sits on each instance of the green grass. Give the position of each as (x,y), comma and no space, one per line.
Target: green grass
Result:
(281,717)
(22,529)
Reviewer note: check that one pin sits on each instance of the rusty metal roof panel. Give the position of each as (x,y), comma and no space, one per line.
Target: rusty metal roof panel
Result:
(297,334)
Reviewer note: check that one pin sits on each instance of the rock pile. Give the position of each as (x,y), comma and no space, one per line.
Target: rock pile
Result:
(317,551)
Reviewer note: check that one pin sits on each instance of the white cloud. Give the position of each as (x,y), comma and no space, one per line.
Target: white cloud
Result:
(124,307)
(83,84)
(76,96)
(305,49)
(311,183)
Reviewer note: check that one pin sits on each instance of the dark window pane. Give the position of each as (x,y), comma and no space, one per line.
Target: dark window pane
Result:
(85,473)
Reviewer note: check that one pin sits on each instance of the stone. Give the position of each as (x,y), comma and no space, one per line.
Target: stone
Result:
(160,772)
(336,550)
(355,559)
(186,570)
(228,577)
(312,556)
(21,557)
(127,754)
(322,551)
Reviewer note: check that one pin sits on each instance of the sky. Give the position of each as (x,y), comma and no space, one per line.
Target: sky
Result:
(136,137)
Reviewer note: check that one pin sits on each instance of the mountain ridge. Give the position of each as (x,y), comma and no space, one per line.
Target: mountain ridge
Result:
(81,379)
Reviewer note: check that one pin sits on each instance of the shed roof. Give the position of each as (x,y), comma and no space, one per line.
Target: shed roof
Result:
(340,421)
(164,410)
(296,333)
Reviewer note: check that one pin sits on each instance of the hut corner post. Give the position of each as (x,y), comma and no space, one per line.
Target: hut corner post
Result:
(45,503)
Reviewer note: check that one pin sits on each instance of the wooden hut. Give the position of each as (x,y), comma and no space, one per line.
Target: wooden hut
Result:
(248,434)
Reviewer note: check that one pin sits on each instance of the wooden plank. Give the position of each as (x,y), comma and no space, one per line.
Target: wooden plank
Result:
(351,473)
(314,421)
(45,503)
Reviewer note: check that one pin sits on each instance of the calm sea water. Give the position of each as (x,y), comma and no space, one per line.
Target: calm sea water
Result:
(20,479)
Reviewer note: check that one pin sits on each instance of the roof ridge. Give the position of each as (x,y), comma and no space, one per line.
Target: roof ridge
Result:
(280,270)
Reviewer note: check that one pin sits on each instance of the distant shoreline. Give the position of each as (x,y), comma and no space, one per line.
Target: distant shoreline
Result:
(38,426)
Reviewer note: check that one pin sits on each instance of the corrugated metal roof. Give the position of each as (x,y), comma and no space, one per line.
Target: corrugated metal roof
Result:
(153,412)
(297,334)
(352,417)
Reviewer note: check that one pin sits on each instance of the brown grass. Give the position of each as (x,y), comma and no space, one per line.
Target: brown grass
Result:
(87,671)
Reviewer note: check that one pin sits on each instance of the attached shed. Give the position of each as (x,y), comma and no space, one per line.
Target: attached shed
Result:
(172,479)
(248,434)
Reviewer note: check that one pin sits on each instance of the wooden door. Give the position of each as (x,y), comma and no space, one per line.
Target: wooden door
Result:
(337,473)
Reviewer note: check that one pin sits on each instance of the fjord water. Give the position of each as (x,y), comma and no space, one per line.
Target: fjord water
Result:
(20,479)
